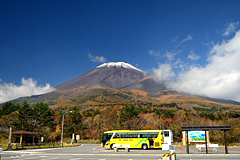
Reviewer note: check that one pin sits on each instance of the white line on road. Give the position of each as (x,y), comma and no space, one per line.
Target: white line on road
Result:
(31,158)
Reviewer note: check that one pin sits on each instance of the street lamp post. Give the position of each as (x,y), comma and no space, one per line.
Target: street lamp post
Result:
(62,127)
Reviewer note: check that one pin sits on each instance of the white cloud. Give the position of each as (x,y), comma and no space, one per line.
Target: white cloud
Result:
(193,56)
(28,87)
(220,78)
(189,38)
(174,39)
(171,54)
(163,73)
(154,53)
(97,58)
(231,28)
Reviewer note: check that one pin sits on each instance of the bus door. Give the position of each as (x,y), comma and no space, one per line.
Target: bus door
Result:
(151,138)
(167,137)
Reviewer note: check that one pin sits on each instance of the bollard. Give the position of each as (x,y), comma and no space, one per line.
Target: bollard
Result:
(127,149)
(166,157)
(116,149)
(172,155)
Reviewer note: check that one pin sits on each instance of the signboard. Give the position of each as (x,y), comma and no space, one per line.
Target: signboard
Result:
(77,137)
(4,129)
(196,136)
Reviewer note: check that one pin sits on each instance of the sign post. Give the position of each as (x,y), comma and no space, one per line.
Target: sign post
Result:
(73,138)
(0,153)
(77,137)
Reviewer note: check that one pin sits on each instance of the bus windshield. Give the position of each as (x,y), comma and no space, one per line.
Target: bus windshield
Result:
(106,137)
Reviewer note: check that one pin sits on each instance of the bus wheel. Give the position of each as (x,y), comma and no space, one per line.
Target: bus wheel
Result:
(111,146)
(144,146)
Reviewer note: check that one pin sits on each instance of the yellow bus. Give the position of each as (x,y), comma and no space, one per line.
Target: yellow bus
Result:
(144,139)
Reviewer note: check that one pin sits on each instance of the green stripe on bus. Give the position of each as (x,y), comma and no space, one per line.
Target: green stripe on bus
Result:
(142,140)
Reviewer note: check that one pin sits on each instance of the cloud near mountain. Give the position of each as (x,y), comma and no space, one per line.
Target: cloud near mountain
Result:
(220,78)
(28,87)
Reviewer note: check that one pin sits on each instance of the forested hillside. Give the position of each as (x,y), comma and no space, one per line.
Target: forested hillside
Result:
(91,120)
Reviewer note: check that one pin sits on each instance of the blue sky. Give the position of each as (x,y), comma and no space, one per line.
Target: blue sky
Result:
(48,42)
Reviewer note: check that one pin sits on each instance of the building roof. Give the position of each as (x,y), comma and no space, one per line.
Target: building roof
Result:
(22,132)
(197,128)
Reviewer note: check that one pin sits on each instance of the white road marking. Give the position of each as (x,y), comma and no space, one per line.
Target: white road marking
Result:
(31,158)
(81,145)
(75,158)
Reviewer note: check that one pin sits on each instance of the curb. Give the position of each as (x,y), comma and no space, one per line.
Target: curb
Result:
(182,155)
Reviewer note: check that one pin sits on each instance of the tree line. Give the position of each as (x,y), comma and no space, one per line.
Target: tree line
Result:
(90,122)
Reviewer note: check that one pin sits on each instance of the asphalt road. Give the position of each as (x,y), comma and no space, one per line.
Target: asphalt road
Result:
(94,152)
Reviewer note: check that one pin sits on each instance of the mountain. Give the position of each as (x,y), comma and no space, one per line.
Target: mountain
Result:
(110,75)
(115,82)
(117,75)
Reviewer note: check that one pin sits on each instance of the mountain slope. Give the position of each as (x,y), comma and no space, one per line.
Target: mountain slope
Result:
(112,75)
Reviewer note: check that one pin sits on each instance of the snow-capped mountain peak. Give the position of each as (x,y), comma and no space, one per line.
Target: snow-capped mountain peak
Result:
(118,64)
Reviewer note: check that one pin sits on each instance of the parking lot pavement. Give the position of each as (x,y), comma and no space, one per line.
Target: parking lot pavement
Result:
(96,150)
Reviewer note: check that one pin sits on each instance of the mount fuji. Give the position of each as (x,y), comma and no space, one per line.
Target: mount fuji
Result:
(114,82)
(117,75)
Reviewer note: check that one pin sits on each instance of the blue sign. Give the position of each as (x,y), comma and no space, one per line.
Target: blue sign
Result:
(196,136)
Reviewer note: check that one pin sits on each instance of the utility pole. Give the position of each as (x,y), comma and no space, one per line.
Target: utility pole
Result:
(10,139)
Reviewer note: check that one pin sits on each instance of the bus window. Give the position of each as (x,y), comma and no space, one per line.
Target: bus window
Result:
(124,135)
(106,138)
(145,135)
(116,135)
(135,135)
(109,136)
(153,135)
(166,133)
